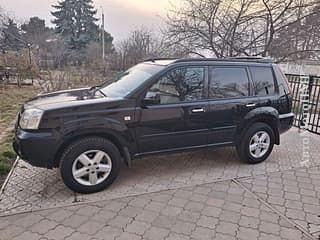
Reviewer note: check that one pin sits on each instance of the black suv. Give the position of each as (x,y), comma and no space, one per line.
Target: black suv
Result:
(157,106)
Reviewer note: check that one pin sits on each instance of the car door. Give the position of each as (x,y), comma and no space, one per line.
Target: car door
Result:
(177,121)
(230,99)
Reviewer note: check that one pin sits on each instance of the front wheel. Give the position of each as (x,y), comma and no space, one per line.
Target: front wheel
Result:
(90,165)
(256,143)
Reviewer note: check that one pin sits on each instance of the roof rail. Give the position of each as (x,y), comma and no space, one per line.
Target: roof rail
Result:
(157,59)
(234,59)
(253,58)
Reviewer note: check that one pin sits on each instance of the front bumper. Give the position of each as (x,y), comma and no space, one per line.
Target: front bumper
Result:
(286,121)
(37,148)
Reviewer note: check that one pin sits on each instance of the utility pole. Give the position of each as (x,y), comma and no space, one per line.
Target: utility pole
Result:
(30,61)
(102,34)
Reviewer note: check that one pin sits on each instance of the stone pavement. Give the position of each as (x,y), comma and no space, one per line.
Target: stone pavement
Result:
(206,194)
(294,193)
(221,210)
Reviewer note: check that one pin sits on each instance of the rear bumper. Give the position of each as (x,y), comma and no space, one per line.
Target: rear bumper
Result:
(36,148)
(286,122)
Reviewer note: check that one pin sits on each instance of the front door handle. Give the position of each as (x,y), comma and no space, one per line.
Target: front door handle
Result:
(251,105)
(198,110)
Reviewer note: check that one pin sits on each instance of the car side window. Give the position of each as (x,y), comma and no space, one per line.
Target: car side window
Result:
(263,81)
(182,84)
(228,82)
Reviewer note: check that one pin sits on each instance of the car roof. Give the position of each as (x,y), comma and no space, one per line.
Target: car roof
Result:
(169,61)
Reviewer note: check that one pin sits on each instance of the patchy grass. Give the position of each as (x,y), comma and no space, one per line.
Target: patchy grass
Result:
(7,155)
(11,98)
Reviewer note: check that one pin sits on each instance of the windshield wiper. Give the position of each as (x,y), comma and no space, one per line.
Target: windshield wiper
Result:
(97,89)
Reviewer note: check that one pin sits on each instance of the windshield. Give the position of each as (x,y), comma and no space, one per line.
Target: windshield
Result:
(129,80)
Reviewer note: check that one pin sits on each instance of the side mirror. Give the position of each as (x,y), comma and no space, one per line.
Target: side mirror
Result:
(152,98)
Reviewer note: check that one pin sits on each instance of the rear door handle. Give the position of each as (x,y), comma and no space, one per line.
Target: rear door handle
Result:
(251,105)
(198,110)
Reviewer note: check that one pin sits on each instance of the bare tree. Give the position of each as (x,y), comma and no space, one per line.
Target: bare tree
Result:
(235,27)
(300,40)
(143,43)
(137,46)
(207,25)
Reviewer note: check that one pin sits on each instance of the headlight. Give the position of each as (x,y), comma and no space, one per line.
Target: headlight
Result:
(30,118)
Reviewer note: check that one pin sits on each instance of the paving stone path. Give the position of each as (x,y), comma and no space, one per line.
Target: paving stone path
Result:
(206,194)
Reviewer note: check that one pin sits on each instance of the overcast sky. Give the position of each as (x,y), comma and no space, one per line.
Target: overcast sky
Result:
(121,15)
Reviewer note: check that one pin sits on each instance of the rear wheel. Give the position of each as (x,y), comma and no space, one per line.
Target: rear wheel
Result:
(90,164)
(256,143)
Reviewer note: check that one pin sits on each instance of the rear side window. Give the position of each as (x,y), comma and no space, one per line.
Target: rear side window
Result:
(228,82)
(263,81)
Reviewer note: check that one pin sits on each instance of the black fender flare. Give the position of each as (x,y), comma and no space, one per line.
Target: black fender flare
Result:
(268,115)
(111,129)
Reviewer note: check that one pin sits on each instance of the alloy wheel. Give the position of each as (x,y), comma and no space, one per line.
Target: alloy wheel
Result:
(91,167)
(259,144)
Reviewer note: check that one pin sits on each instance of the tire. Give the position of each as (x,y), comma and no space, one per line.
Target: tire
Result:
(250,143)
(90,165)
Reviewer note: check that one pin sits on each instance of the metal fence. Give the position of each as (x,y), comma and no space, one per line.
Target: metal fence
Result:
(306,101)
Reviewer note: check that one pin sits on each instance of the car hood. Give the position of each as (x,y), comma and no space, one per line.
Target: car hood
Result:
(66,98)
